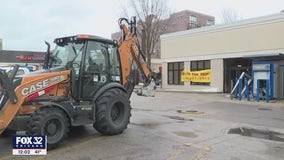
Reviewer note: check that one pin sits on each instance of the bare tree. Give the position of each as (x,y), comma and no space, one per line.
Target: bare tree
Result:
(229,15)
(151,16)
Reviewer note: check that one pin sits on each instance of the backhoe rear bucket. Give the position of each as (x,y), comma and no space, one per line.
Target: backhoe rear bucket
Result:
(147,90)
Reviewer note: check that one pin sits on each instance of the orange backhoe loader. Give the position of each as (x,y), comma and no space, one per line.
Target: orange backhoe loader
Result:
(86,80)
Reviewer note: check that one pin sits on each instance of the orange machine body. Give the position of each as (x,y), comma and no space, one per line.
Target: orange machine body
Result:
(34,86)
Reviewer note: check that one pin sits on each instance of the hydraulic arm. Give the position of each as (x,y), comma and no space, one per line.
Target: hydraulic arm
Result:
(129,52)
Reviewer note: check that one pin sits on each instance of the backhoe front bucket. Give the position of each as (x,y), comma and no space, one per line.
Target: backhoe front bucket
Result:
(6,93)
(7,88)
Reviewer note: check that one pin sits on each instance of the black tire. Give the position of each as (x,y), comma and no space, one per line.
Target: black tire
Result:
(51,122)
(112,112)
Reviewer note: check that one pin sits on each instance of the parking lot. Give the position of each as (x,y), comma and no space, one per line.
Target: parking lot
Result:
(179,126)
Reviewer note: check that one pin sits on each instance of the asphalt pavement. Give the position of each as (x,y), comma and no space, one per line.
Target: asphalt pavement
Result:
(180,126)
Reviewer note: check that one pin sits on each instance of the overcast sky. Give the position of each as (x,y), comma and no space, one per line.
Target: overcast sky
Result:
(26,24)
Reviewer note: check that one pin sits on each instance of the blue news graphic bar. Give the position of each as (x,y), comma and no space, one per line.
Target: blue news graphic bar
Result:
(29,142)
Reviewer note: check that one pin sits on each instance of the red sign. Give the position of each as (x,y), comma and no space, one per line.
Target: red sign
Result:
(31,58)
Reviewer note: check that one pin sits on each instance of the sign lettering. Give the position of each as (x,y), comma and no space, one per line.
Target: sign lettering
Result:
(196,76)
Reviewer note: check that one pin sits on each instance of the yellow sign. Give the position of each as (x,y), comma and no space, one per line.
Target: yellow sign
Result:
(196,76)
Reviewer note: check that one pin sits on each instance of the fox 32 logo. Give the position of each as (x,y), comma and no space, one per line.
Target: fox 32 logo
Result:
(29,145)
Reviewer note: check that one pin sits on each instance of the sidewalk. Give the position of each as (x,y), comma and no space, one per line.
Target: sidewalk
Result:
(225,97)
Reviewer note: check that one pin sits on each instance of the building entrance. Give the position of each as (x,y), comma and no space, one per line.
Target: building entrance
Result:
(280,82)
(233,68)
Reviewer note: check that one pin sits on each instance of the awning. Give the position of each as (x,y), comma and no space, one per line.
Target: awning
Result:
(265,57)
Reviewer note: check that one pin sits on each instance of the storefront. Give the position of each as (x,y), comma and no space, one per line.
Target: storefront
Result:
(226,50)
(32,60)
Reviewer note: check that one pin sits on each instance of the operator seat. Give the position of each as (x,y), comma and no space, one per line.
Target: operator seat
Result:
(93,66)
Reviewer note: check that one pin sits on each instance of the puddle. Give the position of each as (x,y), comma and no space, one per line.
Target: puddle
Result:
(178,118)
(265,109)
(190,112)
(147,125)
(257,133)
(186,134)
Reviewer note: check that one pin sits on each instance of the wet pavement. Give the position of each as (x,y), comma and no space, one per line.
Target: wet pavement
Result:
(178,126)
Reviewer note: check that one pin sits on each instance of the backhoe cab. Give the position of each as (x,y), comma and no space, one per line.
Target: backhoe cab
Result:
(86,80)
(93,63)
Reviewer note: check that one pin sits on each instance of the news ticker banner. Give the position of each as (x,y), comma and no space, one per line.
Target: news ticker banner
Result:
(196,76)
(29,145)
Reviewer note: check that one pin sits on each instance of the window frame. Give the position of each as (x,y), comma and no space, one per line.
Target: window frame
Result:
(174,73)
(210,22)
(192,21)
(198,66)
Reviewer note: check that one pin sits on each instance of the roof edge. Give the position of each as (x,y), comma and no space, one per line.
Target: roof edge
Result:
(279,17)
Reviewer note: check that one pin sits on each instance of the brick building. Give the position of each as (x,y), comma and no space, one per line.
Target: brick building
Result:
(178,21)
(185,20)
